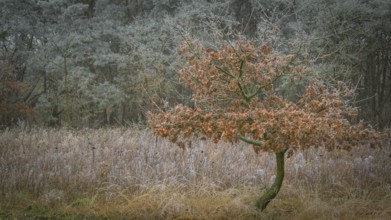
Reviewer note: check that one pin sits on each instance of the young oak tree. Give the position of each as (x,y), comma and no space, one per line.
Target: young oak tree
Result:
(236,100)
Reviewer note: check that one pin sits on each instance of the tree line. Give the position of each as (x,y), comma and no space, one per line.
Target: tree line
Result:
(94,63)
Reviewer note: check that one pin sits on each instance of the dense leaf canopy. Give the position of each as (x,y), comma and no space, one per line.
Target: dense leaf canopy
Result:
(235,96)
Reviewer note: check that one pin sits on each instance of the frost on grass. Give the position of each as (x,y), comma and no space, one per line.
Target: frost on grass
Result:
(121,167)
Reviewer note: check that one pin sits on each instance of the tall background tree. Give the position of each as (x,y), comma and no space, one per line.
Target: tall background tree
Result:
(352,40)
(21,28)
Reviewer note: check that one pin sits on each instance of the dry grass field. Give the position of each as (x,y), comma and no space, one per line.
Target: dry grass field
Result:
(129,174)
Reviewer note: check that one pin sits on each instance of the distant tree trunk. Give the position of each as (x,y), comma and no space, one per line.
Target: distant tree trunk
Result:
(129,15)
(246,16)
(377,80)
(91,9)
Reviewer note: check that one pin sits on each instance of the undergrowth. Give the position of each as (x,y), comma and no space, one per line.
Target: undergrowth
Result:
(130,174)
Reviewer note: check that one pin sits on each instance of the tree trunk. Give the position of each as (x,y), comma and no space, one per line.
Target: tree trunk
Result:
(272,192)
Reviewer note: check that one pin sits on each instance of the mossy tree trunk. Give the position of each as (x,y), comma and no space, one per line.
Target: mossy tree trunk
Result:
(272,192)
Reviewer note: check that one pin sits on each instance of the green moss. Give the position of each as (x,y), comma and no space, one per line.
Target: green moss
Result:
(83,202)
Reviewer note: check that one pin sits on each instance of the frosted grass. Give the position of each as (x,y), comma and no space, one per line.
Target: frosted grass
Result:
(64,162)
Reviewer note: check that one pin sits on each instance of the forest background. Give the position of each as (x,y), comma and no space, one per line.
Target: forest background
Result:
(94,63)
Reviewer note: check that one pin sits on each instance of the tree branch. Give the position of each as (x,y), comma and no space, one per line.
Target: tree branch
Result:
(225,72)
(243,93)
(249,141)
(241,69)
